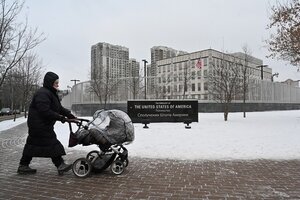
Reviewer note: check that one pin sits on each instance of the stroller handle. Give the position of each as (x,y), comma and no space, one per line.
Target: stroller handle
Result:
(77,121)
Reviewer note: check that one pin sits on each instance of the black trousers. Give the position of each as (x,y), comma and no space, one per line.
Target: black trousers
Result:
(25,160)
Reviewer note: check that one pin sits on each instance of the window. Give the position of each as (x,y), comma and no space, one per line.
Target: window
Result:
(193,87)
(213,61)
(205,73)
(199,74)
(205,61)
(180,88)
(205,86)
(193,75)
(199,86)
(185,65)
(180,77)
(169,79)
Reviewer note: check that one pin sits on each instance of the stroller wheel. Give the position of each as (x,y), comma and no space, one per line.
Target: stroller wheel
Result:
(125,161)
(82,167)
(91,156)
(117,167)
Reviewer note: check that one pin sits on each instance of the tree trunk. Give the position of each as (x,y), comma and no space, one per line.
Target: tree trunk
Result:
(226,111)
(244,109)
(244,93)
(225,115)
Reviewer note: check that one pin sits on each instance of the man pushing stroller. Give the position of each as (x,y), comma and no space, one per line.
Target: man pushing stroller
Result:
(45,109)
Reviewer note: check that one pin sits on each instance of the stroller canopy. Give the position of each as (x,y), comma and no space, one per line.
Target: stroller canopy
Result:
(115,125)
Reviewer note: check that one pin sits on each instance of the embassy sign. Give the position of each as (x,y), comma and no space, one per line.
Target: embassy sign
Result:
(145,111)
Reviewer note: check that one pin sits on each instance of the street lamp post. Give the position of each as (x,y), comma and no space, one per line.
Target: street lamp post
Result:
(69,96)
(276,74)
(145,76)
(69,87)
(75,81)
(261,70)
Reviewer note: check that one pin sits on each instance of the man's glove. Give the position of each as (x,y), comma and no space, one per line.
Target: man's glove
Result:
(71,116)
(63,119)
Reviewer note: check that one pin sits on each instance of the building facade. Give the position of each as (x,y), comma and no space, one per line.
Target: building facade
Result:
(186,76)
(158,53)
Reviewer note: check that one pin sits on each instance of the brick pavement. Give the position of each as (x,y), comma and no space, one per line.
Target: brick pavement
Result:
(147,178)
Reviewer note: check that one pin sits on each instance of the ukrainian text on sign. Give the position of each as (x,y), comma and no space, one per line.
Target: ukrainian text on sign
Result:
(163,111)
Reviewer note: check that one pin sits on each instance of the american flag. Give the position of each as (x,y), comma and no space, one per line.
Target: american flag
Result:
(199,64)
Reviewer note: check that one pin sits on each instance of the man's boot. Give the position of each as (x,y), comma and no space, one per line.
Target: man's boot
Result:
(63,167)
(25,169)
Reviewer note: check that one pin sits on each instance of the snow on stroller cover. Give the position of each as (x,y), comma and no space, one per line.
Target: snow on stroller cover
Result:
(107,128)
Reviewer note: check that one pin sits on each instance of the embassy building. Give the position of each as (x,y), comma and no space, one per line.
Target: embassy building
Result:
(179,75)
(187,77)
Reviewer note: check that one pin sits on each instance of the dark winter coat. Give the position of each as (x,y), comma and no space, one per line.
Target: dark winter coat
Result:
(45,109)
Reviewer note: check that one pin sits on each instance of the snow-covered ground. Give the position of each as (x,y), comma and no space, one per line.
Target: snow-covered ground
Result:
(261,135)
(7,124)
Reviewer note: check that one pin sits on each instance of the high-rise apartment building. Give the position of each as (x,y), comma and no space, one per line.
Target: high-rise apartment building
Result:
(133,79)
(109,60)
(112,68)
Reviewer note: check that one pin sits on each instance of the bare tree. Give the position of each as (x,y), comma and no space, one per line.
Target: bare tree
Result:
(246,75)
(133,79)
(186,78)
(30,68)
(16,39)
(168,82)
(285,42)
(134,84)
(225,82)
(183,77)
(103,85)
(21,83)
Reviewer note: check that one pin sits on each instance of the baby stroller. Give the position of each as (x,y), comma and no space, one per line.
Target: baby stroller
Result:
(110,130)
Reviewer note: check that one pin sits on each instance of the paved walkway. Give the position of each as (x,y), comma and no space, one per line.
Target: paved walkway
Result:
(147,178)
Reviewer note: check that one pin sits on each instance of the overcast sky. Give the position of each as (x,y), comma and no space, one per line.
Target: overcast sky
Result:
(73,26)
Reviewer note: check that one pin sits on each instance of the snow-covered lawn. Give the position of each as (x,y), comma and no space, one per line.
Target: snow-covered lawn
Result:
(261,135)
